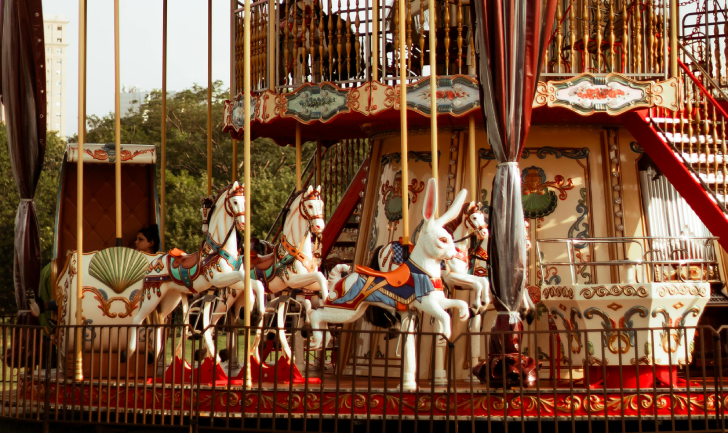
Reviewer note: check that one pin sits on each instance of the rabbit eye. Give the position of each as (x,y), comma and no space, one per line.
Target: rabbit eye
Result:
(443,240)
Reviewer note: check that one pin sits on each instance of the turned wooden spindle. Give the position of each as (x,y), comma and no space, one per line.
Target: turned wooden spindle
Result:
(321,41)
(460,35)
(625,37)
(572,34)
(637,14)
(611,36)
(331,42)
(585,35)
(312,41)
(357,43)
(598,27)
(446,29)
(348,40)
(339,46)
(718,67)
(409,26)
(422,38)
(650,36)
(396,33)
(559,34)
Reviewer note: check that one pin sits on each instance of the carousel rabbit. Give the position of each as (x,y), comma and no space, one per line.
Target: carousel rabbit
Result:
(415,286)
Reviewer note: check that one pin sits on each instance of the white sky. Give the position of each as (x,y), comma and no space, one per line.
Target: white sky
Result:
(141,48)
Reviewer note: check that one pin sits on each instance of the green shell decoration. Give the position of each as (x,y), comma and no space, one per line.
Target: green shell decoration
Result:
(118,267)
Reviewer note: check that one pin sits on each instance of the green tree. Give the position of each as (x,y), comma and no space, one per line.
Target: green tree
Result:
(272,168)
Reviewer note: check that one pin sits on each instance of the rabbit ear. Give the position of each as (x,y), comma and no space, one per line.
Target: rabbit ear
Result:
(455,208)
(430,203)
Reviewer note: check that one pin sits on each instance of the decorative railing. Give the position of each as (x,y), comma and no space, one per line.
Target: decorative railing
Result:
(633,259)
(704,34)
(350,42)
(697,132)
(38,386)
(628,37)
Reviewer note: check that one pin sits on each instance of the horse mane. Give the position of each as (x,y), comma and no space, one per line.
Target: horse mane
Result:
(452,225)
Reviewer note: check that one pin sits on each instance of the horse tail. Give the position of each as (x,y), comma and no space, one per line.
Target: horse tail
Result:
(374,263)
(337,273)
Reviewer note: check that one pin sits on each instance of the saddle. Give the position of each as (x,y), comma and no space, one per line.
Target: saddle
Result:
(187,261)
(262,255)
(262,262)
(396,278)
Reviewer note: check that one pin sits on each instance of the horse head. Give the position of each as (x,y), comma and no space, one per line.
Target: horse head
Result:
(475,220)
(434,243)
(312,209)
(235,204)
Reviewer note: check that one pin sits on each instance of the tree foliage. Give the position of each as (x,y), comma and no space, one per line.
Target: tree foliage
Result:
(272,171)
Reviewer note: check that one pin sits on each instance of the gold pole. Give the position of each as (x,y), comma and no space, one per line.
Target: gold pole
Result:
(79,183)
(209,97)
(164,126)
(472,158)
(298,156)
(403,121)
(433,92)
(375,40)
(674,11)
(117,125)
(233,84)
(318,162)
(248,186)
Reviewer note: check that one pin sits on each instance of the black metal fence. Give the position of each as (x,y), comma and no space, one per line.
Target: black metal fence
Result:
(353,384)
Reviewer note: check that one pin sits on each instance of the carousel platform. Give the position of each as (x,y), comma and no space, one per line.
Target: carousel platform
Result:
(328,396)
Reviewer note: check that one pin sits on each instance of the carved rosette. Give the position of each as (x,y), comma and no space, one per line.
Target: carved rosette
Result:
(599,322)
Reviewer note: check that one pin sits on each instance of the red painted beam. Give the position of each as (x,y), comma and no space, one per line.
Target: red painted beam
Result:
(678,174)
(343,211)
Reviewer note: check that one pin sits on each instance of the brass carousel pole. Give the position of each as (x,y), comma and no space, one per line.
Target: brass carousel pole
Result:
(433,92)
(164,126)
(674,11)
(209,97)
(403,121)
(472,158)
(117,125)
(79,183)
(298,156)
(248,186)
(233,84)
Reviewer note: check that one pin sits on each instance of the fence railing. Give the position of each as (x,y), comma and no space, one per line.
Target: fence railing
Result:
(37,382)
(350,42)
(636,259)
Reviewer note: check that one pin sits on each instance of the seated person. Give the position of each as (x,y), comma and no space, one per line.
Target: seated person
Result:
(147,240)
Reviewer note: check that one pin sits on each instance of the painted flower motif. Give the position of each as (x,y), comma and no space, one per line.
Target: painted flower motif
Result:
(600,93)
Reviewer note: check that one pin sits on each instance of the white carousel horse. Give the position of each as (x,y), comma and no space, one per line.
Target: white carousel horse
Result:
(216,264)
(292,265)
(468,221)
(415,286)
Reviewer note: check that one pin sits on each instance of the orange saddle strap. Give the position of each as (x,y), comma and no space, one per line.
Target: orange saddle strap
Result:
(396,278)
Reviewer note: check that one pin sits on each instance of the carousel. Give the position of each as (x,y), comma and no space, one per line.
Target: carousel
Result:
(514,214)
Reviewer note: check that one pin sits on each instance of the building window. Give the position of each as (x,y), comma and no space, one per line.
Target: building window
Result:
(58,114)
(58,125)
(58,93)
(48,50)
(59,40)
(59,51)
(59,28)
(58,72)
(58,104)
(58,82)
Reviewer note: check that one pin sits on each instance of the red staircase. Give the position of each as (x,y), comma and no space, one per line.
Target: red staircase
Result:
(689,146)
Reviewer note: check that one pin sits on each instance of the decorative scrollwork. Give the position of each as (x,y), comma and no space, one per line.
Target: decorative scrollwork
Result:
(560,291)
(602,291)
(681,289)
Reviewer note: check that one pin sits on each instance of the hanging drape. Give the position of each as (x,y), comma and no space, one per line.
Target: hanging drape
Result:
(510,39)
(22,61)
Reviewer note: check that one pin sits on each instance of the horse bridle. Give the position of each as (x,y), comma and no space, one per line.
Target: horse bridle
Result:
(314,195)
(240,191)
(471,229)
